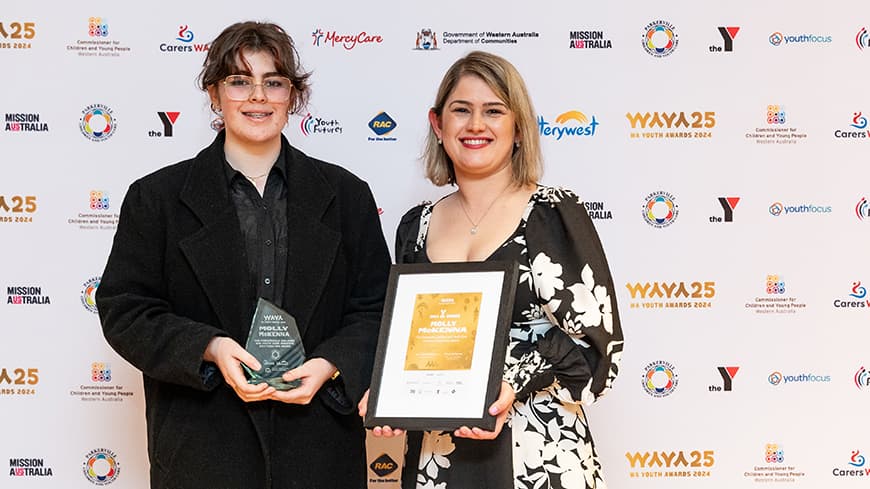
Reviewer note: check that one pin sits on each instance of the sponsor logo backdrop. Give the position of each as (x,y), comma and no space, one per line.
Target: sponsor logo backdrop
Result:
(721,151)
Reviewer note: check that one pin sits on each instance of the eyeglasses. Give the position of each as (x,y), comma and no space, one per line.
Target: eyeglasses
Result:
(241,87)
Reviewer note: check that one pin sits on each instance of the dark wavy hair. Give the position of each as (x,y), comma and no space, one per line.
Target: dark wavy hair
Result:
(224,56)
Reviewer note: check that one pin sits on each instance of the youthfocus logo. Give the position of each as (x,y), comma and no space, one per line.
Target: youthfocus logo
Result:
(571,124)
(778,209)
(778,378)
(779,39)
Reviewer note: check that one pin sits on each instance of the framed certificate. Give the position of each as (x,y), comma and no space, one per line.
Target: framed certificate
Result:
(441,349)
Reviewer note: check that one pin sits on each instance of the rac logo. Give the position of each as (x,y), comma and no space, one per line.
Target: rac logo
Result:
(384,465)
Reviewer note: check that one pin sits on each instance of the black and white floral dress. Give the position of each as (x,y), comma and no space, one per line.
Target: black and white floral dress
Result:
(564,281)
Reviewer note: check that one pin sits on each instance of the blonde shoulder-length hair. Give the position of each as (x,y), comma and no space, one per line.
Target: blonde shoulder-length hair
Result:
(505,81)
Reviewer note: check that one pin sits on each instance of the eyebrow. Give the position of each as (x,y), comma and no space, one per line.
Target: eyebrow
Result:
(265,75)
(485,104)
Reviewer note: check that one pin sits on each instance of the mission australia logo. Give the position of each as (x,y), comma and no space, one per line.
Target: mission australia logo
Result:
(29,467)
(26,295)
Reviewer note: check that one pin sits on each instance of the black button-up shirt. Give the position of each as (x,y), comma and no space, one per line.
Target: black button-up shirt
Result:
(263,221)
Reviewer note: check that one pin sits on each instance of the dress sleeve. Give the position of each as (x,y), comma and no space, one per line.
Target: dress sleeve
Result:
(568,273)
(407,232)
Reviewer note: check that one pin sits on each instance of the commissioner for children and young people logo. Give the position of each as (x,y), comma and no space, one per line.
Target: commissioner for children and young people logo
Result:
(728,35)
(659,379)
(775,301)
(96,216)
(98,42)
(314,126)
(774,468)
(16,34)
(660,209)
(183,42)
(660,38)
(101,387)
(776,131)
(101,466)
(98,122)
(570,125)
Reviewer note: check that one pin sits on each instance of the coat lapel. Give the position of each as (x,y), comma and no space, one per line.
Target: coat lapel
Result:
(312,245)
(216,252)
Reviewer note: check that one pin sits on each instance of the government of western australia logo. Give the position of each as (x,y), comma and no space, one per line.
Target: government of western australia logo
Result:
(426,40)
(660,209)
(97,122)
(659,38)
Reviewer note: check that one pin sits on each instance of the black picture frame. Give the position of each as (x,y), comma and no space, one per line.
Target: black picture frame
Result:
(393,398)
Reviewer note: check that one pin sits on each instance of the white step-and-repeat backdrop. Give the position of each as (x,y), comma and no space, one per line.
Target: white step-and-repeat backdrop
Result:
(722,149)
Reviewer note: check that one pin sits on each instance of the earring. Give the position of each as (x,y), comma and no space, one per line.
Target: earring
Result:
(517,144)
(217,124)
(439,141)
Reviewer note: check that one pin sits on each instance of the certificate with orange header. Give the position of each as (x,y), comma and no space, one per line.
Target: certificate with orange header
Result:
(443,331)
(442,345)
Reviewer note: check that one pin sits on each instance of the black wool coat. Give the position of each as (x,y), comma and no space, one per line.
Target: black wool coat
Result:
(177,276)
